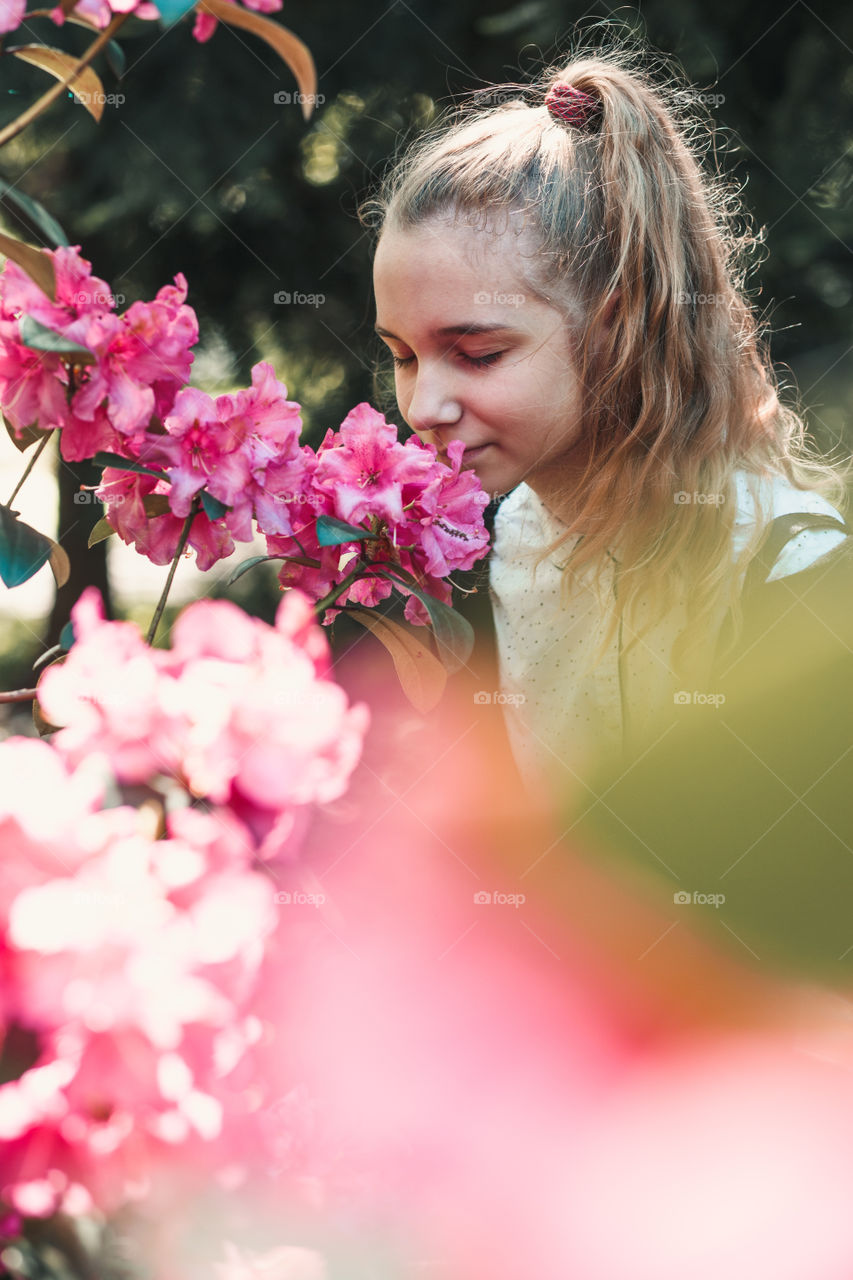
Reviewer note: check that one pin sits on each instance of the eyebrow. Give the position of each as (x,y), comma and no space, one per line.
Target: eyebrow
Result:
(456,330)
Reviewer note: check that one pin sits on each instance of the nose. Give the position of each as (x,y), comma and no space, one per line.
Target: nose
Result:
(433,403)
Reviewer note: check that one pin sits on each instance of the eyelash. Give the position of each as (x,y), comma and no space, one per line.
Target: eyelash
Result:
(480,361)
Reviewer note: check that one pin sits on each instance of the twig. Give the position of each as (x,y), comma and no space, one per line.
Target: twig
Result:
(32,462)
(182,542)
(19,695)
(41,104)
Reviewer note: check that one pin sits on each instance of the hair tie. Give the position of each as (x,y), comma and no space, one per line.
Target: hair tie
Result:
(572,106)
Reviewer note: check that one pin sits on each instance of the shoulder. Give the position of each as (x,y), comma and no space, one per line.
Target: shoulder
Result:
(760,500)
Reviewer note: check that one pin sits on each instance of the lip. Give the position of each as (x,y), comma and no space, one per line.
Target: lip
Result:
(475,452)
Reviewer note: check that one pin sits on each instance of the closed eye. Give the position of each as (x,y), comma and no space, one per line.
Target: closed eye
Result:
(479,362)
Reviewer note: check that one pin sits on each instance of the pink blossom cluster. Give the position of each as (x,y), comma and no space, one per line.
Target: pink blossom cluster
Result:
(141,358)
(426,517)
(243,449)
(133,935)
(101,13)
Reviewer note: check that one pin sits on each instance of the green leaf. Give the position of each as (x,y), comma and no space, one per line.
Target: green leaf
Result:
(116,60)
(288,46)
(250,564)
(100,532)
(156,504)
(28,436)
(66,635)
(60,564)
(38,337)
(422,677)
(454,634)
(37,263)
(172,10)
(332,532)
(103,459)
(213,508)
(35,212)
(23,550)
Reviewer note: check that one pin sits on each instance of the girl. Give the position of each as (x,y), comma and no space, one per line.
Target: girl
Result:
(560,284)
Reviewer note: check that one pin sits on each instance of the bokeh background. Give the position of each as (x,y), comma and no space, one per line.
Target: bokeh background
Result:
(204,164)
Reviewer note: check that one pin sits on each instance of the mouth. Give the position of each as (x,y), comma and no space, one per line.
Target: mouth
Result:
(471,455)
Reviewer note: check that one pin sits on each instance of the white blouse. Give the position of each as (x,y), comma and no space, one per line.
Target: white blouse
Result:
(563,710)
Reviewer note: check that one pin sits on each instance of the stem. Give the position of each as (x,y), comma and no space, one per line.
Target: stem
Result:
(19,695)
(338,590)
(32,462)
(41,104)
(182,542)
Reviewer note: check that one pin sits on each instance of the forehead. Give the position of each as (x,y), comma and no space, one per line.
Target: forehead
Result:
(443,273)
(456,250)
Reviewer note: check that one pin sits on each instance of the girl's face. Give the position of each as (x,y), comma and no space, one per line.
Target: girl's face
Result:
(478,358)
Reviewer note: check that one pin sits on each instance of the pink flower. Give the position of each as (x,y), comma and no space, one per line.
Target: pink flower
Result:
(366,468)
(101,12)
(11,14)
(242,448)
(451,532)
(156,533)
(426,518)
(141,357)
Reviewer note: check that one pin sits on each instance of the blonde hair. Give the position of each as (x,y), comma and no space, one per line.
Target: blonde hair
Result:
(647,251)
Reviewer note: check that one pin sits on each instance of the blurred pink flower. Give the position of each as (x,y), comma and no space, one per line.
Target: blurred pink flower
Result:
(285,1263)
(11,14)
(238,712)
(133,953)
(101,12)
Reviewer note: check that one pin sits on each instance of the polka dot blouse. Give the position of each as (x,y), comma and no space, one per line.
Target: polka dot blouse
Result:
(564,706)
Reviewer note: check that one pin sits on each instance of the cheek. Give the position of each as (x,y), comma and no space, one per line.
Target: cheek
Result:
(402,397)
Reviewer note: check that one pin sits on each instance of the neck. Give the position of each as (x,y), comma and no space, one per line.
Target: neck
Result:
(555,486)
